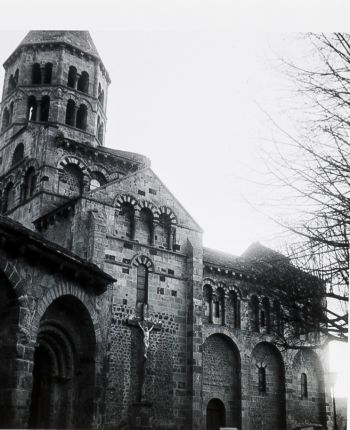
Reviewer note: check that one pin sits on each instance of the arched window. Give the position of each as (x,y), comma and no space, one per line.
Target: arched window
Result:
(82,117)
(303,386)
(97,180)
(142,285)
(70,113)
(126,221)
(36,74)
(208,302)
(12,83)
(146,226)
(9,197)
(32,108)
(254,306)
(29,183)
(18,154)
(101,95)
(48,73)
(164,231)
(5,119)
(71,181)
(11,112)
(220,305)
(265,314)
(16,77)
(278,317)
(236,307)
(83,82)
(100,133)
(72,77)
(45,109)
(262,379)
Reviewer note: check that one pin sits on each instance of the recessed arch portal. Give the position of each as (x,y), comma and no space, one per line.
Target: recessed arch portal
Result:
(221,380)
(64,367)
(267,409)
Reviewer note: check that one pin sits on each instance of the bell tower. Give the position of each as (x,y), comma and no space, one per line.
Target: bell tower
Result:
(52,123)
(56,77)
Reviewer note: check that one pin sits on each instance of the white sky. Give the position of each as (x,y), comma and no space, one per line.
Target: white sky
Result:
(188,80)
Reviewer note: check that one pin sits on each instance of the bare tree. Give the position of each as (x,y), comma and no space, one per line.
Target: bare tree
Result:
(315,171)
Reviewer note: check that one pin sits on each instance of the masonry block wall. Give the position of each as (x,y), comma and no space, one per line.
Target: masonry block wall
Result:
(113,248)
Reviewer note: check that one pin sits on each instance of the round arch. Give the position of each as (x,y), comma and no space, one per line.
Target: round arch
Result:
(309,390)
(221,363)
(64,372)
(267,405)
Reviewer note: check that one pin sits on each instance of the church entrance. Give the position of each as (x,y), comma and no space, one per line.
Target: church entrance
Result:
(215,415)
(64,367)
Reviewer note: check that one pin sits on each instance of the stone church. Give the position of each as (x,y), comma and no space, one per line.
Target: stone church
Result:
(113,315)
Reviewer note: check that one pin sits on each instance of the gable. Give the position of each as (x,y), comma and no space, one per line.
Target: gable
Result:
(145,186)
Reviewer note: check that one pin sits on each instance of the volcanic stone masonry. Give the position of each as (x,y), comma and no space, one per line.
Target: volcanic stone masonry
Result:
(112,313)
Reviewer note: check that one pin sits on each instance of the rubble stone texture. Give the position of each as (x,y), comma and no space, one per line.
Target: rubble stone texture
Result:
(91,242)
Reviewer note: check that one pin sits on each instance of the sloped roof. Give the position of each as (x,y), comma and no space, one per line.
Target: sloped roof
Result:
(18,235)
(79,39)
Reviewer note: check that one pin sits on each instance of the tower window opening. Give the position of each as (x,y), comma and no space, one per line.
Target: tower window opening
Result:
(32,108)
(48,73)
(83,82)
(101,95)
(13,81)
(254,304)
(70,113)
(8,197)
(11,112)
(18,154)
(303,387)
(262,379)
(36,74)
(5,119)
(29,183)
(72,77)
(45,109)
(82,117)
(100,133)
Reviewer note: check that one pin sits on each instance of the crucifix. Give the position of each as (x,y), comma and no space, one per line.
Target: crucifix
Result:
(147,325)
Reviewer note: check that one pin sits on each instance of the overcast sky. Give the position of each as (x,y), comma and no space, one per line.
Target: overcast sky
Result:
(190,83)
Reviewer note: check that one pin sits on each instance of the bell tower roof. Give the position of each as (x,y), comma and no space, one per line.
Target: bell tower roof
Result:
(78,39)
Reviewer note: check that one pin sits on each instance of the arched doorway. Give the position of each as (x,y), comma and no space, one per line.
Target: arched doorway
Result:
(216,416)
(64,367)
(221,379)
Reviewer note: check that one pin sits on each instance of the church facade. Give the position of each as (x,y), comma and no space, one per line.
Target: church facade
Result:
(113,315)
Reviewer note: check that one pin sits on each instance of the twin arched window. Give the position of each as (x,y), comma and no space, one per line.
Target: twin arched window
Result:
(41,76)
(80,82)
(38,110)
(76,117)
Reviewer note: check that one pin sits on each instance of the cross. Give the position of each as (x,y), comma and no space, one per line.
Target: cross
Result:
(147,325)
